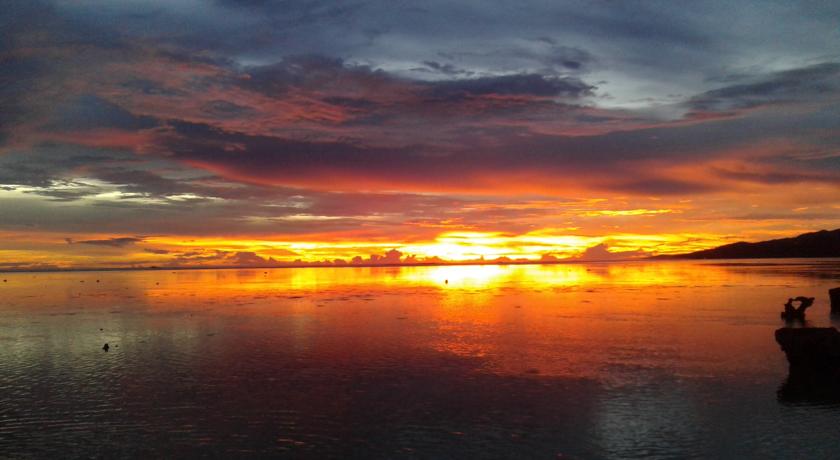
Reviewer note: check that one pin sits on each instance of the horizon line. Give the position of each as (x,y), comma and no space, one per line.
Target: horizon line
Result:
(430,264)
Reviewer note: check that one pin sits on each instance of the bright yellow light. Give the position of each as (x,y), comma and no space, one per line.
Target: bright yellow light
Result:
(627,212)
(454,246)
(460,276)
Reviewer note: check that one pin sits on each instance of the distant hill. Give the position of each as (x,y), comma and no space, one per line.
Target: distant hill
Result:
(823,243)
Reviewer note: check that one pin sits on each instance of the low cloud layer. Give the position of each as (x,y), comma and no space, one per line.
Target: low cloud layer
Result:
(111,242)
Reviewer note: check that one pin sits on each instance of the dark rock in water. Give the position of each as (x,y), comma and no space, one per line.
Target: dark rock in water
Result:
(813,349)
(834,296)
(798,313)
(814,357)
(105,347)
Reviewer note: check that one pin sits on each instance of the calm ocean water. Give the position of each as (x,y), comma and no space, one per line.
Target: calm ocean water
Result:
(631,360)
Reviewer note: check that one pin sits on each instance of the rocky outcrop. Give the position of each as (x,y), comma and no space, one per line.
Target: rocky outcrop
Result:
(814,358)
(792,313)
(811,349)
(834,297)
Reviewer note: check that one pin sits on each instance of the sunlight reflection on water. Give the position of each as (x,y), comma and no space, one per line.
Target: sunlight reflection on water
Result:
(636,360)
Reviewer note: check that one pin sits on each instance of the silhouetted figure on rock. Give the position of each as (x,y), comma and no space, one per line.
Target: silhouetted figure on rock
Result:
(797,313)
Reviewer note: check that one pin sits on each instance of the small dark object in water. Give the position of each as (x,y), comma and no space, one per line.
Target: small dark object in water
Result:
(792,313)
(97,281)
(834,296)
(4,281)
(105,347)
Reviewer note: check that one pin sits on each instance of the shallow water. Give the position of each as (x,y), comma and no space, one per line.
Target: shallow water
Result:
(633,360)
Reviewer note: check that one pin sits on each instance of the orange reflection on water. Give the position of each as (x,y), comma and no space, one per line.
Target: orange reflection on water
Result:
(566,319)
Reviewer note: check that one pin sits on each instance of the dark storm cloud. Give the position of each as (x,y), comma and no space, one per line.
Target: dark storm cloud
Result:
(273,160)
(24,173)
(17,79)
(244,114)
(56,171)
(512,85)
(327,74)
(74,191)
(140,182)
(362,204)
(362,96)
(210,146)
(40,168)
(351,102)
(314,72)
(779,175)
(151,88)
(245,3)
(652,39)
(547,57)
(438,20)
(797,85)
(443,68)
(649,184)
(45,53)
(225,109)
(90,112)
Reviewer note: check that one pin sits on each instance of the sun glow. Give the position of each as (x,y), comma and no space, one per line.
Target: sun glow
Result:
(546,245)
(453,246)
(469,276)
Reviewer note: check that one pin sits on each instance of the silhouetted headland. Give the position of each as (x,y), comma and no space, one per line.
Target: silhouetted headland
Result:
(823,243)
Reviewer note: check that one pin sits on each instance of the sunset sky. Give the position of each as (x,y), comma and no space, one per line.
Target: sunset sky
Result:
(257,132)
